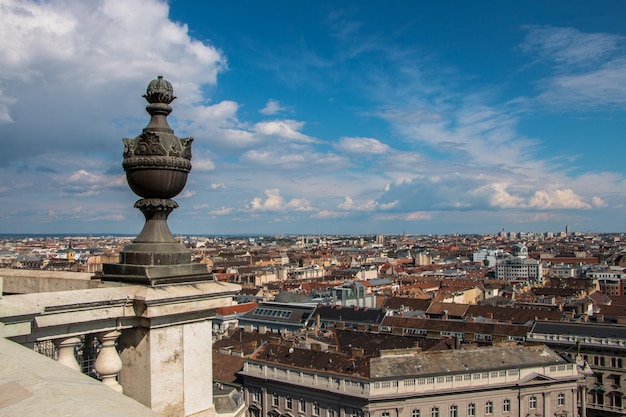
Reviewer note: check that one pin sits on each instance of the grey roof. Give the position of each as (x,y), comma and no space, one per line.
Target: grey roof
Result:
(379,281)
(463,361)
(350,314)
(286,314)
(610,331)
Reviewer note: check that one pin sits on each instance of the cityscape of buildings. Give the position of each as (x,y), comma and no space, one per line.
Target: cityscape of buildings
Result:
(519,324)
(375,120)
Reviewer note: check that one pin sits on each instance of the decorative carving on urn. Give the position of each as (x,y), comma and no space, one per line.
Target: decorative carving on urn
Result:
(156,164)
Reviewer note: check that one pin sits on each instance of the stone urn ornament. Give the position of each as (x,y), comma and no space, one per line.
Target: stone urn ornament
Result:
(157,164)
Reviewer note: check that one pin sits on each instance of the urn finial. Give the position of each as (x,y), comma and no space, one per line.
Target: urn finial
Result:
(156,163)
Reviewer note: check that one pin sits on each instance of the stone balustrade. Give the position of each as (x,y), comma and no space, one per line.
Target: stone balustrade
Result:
(154,342)
(365,388)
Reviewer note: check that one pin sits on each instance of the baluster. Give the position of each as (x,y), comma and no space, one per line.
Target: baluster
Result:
(66,352)
(109,363)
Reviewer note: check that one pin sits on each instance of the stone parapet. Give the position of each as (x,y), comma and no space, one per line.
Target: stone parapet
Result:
(155,340)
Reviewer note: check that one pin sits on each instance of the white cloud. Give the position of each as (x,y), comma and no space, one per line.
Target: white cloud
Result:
(497,196)
(413,216)
(589,69)
(329,214)
(272,107)
(113,40)
(362,146)
(199,163)
(83,183)
(299,204)
(91,56)
(366,205)
(221,114)
(569,46)
(419,215)
(186,194)
(275,202)
(222,211)
(598,202)
(283,129)
(108,217)
(347,204)
(557,199)
(272,202)
(217,186)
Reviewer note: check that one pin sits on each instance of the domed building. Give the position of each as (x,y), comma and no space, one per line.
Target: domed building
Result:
(519,250)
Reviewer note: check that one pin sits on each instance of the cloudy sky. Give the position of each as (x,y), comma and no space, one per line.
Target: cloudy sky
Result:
(319,117)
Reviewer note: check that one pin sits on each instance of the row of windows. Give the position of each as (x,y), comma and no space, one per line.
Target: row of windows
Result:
(448,378)
(453,410)
(272,313)
(601,361)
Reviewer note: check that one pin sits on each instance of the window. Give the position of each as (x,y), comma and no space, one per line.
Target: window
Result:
(489,407)
(385,414)
(256,395)
(289,403)
(275,400)
(415,413)
(560,399)
(617,381)
(316,409)
(506,406)
(454,411)
(532,402)
(302,406)
(434,412)
(471,410)
(330,413)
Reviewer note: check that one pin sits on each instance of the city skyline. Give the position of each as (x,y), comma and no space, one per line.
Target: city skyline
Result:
(323,118)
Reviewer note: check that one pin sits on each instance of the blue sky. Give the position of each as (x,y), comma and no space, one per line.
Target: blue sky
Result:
(320,117)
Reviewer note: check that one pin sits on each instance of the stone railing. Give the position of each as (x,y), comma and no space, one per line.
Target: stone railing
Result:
(153,343)
(573,340)
(33,385)
(455,382)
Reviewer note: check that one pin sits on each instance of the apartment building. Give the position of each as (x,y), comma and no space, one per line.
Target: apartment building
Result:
(496,381)
(603,348)
(519,269)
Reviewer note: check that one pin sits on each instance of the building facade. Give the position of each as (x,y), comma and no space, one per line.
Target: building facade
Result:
(603,348)
(519,269)
(505,381)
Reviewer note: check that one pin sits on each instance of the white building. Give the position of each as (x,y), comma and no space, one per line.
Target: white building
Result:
(518,266)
